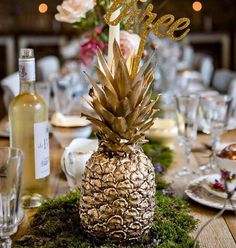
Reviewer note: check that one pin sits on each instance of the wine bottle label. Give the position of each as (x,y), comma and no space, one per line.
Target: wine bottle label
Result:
(41,150)
(27,70)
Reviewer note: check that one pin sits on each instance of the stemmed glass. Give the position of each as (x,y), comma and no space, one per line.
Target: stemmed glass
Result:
(215,111)
(11,214)
(186,117)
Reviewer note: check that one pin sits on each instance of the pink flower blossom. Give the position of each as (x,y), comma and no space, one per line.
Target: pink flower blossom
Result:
(88,49)
(72,11)
(129,43)
(218,185)
(225,174)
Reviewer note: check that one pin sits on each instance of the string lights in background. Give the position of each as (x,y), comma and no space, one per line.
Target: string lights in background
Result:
(43,8)
(197,6)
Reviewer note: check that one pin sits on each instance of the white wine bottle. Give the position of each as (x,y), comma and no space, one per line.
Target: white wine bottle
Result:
(28,117)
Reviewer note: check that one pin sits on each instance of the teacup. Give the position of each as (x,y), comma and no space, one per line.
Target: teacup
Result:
(74,160)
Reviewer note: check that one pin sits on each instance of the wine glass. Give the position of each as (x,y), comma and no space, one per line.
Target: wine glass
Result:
(215,111)
(186,117)
(11,214)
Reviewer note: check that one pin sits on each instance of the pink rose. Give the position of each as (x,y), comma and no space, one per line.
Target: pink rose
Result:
(129,42)
(72,11)
(88,49)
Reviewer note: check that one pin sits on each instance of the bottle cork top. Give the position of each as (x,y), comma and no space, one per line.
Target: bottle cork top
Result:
(26,53)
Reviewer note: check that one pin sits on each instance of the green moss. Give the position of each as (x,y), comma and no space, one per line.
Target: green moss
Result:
(57,223)
(159,153)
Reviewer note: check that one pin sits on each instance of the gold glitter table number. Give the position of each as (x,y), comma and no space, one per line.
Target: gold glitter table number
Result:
(134,16)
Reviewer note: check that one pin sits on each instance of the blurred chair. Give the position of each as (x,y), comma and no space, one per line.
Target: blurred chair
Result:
(204,64)
(188,55)
(222,80)
(186,59)
(232,92)
(11,88)
(207,70)
(47,66)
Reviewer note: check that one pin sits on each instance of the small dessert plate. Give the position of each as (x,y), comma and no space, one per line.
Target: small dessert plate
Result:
(211,179)
(199,194)
(70,121)
(67,128)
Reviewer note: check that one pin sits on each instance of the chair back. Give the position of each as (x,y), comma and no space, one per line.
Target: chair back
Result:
(188,55)
(232,93)
(204,64)
(207,70)
(47,66)
(222,80)
(11,88)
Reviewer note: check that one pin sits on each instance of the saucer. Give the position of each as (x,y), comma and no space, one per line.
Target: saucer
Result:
(199,194)
(211,179)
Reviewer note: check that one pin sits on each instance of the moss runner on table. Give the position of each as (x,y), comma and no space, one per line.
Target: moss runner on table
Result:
(57,223)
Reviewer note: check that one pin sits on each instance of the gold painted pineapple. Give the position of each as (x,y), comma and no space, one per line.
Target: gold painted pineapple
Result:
(118,188)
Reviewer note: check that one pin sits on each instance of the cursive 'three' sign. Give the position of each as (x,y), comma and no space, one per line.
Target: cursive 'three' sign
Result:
(165,26)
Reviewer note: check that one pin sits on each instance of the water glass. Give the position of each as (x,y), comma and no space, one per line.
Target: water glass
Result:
(186,117)
(43,89)
(10,185)
(68,90)
(216,112)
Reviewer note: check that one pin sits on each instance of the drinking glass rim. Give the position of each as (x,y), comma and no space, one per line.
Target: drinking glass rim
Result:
(226,98)
(19,152)
(187,96)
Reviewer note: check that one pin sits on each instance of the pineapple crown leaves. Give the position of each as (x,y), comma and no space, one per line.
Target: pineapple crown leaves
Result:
(123,104)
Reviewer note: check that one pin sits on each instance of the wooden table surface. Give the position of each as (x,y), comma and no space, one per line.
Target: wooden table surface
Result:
(219,234)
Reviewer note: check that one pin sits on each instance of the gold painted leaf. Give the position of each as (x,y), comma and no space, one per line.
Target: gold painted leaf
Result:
(119,125)
(105,81)
(102,127)
(146,126)
(104,65)
(127,108)
(103,113)
(142,70)
(135,94)
(99,92)
(132,117)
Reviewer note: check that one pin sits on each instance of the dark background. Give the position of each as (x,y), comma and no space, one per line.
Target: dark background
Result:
(20,18)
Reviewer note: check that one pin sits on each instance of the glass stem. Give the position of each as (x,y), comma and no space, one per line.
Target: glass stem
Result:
(214,142)
(5,242)
(187,152)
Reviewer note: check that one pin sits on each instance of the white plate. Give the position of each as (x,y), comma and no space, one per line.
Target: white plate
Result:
(199,194)
(211,179)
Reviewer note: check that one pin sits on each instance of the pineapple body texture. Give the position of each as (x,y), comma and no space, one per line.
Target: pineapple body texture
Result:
(118,188)
(118,195)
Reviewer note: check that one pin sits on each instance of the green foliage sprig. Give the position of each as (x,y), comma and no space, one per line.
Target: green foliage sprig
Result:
(159,153)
